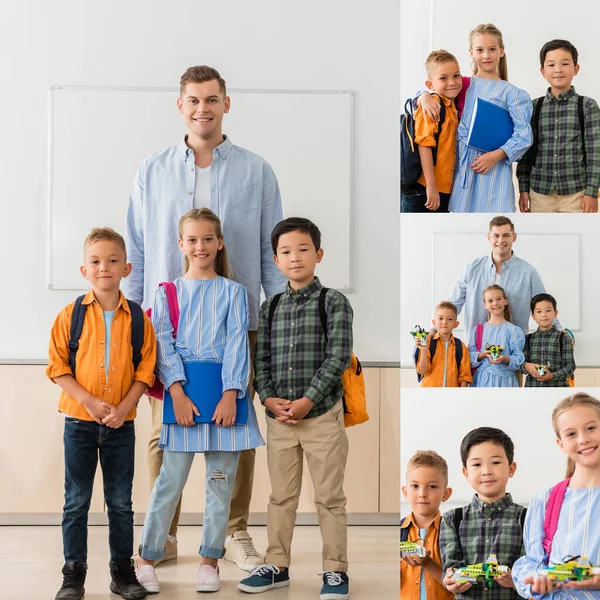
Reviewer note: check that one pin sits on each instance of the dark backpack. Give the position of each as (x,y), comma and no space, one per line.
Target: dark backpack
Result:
(433,348)
(137,331)
(403,531)
(410,161)
(535,125)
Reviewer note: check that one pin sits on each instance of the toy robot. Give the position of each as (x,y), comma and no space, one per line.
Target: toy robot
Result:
(575,568)
(420,335)
(494,350)
(485,571)
(543,369)
(412,549)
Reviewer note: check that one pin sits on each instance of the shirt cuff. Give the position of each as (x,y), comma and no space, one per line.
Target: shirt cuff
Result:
(53,371)
(591,191)
(234,385)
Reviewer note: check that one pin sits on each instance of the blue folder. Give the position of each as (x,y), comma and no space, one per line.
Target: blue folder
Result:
(204,387)
(491,126)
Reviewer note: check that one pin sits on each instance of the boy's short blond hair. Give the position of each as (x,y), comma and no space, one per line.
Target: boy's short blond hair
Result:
(437,58)
(428,458)
(448,305)
(101,234)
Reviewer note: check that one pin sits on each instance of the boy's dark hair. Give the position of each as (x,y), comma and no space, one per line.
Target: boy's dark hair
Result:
(558,45)
(542,298)
(296,224)
(482,435)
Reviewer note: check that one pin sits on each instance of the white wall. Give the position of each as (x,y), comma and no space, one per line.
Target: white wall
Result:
(263,44)
(436,248)
(525,26)
(434,419)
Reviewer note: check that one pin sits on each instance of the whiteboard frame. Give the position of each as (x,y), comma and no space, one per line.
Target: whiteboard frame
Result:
(53,88)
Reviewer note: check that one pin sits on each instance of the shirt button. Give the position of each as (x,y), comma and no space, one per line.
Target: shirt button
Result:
(291,391)
(290,369)
(291,345)
(293,324)
(190,193)
(489,518)
(101,366)
(102,341)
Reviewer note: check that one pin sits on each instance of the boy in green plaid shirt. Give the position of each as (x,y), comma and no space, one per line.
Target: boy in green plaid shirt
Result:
(549,358)
(561,170)
(298,377)
(491,524)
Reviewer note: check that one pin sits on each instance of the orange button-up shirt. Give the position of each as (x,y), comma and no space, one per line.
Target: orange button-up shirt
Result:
(410,577)
(425,129)
(91,371)
(434,376)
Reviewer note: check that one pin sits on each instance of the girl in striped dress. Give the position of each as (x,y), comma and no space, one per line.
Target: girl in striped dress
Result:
(576,502)
(483,181)
(499,331)
(213,327)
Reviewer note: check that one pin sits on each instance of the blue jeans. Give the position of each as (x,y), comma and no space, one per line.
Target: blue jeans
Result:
(84,442)
(412,200)
(221,468)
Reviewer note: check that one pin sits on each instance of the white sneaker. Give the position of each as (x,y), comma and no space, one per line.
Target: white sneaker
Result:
(207,579)
(240,550)
(147,578)
(170,551)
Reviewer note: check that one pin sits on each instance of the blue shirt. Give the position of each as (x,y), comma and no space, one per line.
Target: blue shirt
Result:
(423,535)
(245,196)
(520,281)
(213,326)
(108,319)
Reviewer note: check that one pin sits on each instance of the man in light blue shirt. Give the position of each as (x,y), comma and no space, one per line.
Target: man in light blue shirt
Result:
(205,170)
(520,280)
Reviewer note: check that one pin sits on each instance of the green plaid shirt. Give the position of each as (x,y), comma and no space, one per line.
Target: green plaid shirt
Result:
(293,359)
(559,165)
(543,347)
(485,529)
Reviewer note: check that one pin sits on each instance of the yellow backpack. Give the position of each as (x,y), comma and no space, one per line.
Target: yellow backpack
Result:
(353,379)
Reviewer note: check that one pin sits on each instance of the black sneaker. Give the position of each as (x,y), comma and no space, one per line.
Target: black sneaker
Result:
(125,583)
(73,581)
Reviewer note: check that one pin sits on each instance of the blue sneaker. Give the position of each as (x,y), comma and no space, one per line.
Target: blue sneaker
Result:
(335,586)
(265,578)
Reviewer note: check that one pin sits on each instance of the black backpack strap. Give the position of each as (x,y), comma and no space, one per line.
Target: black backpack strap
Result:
(523,515)
(436,137)
(323,312)
(458,353)
(527,346)
(432,348)
(137,332)
(581,115)
(403,531)
(457,518)
(535,125)
(274,302)
(77,319)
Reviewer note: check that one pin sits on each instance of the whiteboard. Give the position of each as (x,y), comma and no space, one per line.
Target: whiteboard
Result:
(524,414)
(99,136)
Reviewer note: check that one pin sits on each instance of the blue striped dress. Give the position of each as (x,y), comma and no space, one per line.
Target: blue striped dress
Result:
(512,339)
(492,191)
(578,534)
(213,326)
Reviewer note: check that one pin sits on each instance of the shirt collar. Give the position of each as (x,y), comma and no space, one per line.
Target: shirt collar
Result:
(223,148)
(307,290)
(561,97)
(437,336)
(499,505)
(410,520)
(504,264)
(90,297)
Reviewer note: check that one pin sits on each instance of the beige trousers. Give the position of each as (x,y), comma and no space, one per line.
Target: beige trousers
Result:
(242,489)
(554,203)
(324,442)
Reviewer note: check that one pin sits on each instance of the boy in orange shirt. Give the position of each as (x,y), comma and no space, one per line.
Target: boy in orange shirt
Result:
(426,488)
(102,376)
(437,147)
(445,360)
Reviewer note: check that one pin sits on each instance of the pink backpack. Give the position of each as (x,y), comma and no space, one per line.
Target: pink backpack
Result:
(157,390)
(478,341)
(553,505)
